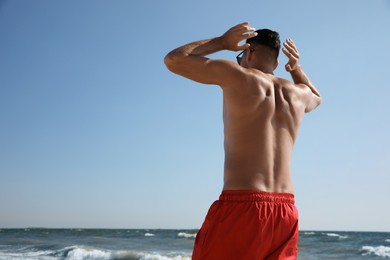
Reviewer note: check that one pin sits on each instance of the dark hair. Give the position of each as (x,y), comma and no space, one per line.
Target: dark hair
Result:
(267,38)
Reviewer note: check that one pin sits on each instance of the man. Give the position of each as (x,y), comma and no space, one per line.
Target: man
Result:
(255,216)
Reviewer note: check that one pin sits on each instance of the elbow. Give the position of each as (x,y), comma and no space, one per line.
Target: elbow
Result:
(169,62)
(172,61)
(316,102)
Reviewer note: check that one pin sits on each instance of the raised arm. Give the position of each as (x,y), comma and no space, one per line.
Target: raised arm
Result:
(312,97)
(189,60)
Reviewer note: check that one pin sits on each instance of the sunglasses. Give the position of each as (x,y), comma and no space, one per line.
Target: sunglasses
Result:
(239,56)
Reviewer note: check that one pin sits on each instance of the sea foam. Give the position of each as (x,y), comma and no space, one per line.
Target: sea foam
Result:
(81,253)
(89,253)
(336,235)
(382,251)
(186,235)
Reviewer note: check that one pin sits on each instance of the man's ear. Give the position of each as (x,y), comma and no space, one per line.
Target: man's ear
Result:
(276,64)
(250,54)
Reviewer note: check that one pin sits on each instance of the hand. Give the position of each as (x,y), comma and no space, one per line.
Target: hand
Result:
(236,34)
(292,54)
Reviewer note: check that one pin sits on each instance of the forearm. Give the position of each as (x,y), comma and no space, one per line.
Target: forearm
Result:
(198,48)
(228,41)
(189,60)
(299,77)
(186,59)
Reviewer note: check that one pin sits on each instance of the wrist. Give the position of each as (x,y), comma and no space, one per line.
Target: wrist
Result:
(297,68)
(222,42)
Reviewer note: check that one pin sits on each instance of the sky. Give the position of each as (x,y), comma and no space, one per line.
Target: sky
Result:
(95,132)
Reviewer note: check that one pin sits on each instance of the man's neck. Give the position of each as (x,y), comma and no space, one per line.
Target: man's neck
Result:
(262,67)
(265,69)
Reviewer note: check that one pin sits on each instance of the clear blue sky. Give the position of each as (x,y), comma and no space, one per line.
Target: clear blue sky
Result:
(96,132)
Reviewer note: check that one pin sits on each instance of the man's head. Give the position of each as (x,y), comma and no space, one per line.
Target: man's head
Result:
(263,51)
(268,39)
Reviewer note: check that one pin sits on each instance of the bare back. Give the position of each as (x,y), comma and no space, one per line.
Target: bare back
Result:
(261,113)
(261,121)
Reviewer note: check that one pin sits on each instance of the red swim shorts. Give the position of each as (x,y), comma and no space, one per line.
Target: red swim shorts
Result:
(246,225)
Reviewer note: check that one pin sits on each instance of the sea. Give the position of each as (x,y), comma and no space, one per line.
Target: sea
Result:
(164,244)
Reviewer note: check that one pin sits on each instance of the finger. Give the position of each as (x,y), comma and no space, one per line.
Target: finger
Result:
(292,44)
(246,29)
(291,49)
(243,47)
(246,32)
(240,25)
(250,28)
(287,53)
(243,25)
(290,40)
(250,35)
(288,44)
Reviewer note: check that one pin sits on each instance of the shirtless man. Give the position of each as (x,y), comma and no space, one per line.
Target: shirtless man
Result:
(255,216)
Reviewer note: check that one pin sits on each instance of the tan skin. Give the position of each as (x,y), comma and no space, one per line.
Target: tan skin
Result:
(261,113)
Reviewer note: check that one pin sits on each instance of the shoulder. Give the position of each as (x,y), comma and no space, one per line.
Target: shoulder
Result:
(205,70)
(300,94)
(290,87)
(294,94)
(286,86)
(233,75)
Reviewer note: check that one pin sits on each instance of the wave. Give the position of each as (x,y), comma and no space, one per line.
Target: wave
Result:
(186,235)
(89,253)
(309,233)
(387,240)
(335,235)
(382,251)
(149,235)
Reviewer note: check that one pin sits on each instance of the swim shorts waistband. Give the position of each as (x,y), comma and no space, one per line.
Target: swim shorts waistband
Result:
(253,195)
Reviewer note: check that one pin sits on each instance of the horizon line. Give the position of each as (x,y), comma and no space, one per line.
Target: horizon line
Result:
(106,228)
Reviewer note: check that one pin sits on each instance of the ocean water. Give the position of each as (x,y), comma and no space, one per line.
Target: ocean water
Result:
(160,244)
